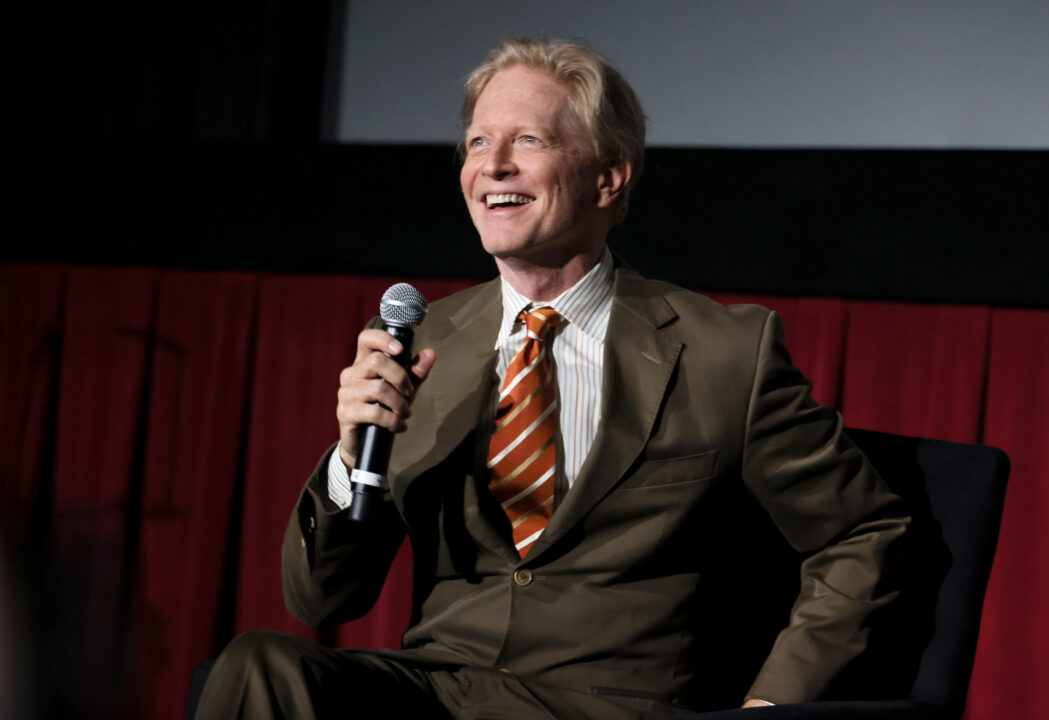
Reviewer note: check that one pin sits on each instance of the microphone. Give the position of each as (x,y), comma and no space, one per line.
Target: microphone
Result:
(402,309)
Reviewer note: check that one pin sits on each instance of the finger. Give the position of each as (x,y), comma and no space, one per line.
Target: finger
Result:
(355,400)
(370,414)
(391,372)
(424,362)
(376,340)
(377,365)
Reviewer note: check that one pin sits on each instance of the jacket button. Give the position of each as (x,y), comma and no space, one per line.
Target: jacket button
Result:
(523,577)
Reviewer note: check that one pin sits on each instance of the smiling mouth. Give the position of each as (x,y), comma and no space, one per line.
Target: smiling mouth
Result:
(507,200)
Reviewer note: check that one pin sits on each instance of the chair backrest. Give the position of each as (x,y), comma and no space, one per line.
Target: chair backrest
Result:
(955,492)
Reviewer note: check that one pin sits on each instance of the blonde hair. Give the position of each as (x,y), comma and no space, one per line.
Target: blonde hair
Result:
(601,99)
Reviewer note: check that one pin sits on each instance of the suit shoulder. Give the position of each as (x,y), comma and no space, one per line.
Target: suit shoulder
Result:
(443,314)
(692,306)
(450,304)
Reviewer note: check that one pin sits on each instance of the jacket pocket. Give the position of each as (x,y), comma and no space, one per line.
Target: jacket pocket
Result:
(672,471)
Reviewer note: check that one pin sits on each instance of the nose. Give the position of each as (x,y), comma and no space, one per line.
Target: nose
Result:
(499,164)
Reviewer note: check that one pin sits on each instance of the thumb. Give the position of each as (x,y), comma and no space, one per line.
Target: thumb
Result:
(424,362)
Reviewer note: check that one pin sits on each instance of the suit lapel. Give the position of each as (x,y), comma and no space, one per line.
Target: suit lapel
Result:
(450,410)
(640,358)
(450,405)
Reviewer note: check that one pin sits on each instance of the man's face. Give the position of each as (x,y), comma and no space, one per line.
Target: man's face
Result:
(530,178)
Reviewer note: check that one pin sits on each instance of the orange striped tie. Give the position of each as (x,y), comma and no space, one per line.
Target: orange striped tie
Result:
(523,453)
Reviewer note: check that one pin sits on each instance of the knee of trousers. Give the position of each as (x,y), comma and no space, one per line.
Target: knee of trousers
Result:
(261,674)
(264,653)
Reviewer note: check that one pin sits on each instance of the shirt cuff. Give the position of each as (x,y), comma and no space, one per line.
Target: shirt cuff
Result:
(339,481)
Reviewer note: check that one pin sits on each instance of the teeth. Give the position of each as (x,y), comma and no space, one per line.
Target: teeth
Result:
(504,198)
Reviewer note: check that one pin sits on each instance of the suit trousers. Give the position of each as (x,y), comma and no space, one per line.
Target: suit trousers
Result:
(264,675)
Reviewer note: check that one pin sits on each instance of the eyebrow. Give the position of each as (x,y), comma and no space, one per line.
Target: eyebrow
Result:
(547,133)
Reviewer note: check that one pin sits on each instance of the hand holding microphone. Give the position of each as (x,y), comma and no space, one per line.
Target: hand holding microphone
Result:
(375,395)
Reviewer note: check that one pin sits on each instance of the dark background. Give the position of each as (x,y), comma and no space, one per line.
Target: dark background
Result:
(187,136)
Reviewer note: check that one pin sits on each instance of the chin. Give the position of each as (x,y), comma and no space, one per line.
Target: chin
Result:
(504,247)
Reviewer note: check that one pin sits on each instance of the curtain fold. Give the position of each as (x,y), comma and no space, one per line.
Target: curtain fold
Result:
(157,427)
(31,307)
(1012,657)
(194,436)
(99,450)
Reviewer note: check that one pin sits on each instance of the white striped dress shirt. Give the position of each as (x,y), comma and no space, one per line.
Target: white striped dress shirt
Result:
(578,345)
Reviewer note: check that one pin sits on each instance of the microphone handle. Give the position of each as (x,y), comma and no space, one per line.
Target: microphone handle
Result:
(368,478)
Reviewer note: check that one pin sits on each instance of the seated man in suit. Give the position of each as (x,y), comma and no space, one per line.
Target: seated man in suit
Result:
(574,442)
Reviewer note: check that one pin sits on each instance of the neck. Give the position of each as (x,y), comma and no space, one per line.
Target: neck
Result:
(546,283)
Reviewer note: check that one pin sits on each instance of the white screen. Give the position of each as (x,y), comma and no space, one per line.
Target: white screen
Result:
(806,73)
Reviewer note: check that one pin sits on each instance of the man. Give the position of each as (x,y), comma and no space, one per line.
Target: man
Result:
(574,437)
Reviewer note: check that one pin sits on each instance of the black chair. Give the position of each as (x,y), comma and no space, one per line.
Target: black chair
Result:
(918,666)
(196,686)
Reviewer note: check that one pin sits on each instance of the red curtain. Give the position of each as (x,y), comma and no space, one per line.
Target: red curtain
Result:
(157,426)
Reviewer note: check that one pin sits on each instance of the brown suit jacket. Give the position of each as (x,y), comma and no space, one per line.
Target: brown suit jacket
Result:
(701,406)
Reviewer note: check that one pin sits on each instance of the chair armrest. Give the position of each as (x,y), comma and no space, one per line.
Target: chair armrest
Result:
(196,686)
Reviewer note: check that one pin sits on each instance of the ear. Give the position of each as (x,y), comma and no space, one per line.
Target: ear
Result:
(612,182)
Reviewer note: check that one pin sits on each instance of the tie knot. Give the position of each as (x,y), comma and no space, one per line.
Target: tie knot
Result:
(540,321)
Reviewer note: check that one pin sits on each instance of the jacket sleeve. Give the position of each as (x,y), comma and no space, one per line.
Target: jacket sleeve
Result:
(831,505)
(333,569)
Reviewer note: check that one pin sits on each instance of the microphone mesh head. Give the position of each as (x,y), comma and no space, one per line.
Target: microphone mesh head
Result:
(403,305)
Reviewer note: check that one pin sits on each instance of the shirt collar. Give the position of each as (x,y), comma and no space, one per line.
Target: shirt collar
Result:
(585,305)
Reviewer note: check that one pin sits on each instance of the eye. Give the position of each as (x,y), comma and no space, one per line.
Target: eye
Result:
(529,139)
(476,142)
